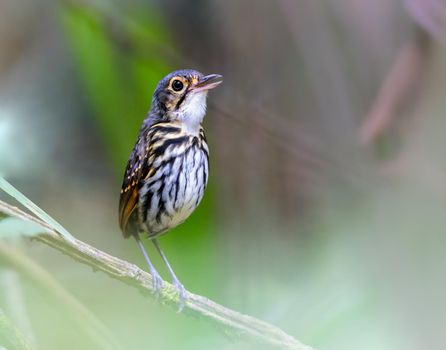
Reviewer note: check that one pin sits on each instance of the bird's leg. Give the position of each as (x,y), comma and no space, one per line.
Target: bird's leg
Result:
(182,293)
(156,278)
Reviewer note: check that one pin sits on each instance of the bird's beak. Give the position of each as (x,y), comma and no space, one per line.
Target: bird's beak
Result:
(208,82)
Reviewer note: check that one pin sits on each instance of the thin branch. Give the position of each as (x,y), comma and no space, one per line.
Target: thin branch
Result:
(232,322)
(404,76)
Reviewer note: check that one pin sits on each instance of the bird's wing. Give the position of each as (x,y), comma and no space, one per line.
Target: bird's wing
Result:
(137,169)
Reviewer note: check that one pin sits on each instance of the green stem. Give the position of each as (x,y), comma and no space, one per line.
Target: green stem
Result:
(232,322)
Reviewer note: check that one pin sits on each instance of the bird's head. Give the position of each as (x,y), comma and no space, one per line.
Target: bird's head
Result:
(181,96)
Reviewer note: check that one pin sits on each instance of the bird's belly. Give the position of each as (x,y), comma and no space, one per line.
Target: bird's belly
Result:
(173,193)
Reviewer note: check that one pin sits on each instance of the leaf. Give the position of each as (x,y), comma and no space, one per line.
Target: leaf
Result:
(72,308)
(10,336)
(13,227)
(22,199)
(120,87)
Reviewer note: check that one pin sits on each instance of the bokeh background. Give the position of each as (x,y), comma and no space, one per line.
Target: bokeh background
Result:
(326,208)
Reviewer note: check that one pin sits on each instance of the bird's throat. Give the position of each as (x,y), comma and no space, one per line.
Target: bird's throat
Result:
(192,113)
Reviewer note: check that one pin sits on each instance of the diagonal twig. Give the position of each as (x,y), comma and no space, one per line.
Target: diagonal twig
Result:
(232,322)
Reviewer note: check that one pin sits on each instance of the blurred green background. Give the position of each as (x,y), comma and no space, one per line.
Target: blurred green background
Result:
(326,208)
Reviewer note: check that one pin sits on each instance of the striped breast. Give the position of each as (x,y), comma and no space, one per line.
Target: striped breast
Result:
(176,180)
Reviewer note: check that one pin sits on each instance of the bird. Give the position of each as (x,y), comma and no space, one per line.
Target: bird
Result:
(167,171)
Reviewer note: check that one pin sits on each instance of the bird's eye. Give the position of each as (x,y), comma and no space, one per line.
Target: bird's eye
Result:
(177,85)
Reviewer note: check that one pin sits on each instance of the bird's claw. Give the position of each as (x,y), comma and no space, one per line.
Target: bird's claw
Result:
(182,294)
(157,283)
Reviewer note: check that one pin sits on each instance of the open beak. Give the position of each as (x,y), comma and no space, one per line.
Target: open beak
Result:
(208,82)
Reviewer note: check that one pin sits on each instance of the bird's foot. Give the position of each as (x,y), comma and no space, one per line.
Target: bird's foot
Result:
(182,294)
(157,282)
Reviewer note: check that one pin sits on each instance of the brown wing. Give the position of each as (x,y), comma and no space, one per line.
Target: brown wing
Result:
(137,169)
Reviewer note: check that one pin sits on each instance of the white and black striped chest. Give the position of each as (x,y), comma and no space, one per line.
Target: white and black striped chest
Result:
(178,177)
